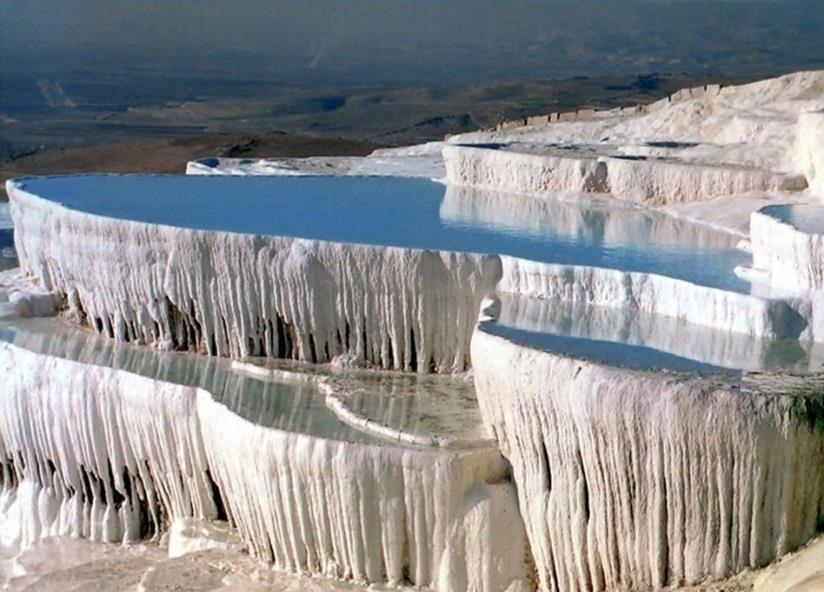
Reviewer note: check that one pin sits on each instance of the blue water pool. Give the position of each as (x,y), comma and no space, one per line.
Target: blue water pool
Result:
(5,216)
(412,213)
(808,218)
(8,257)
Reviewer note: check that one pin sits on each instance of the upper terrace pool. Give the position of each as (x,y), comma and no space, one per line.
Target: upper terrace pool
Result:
(808,218)
(412,213)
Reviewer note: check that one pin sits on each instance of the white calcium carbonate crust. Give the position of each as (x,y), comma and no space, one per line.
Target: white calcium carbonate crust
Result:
(791,257)
(659,181)
(242,295)
(635,481)
(98,454)
(650,293)
(517,171)
(422,160)
(694,146)
(89,451)
(809,148)
(368,513)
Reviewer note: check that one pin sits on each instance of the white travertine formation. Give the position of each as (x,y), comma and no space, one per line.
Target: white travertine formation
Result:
(423,160)
(650,180)
(521,171)
(650,293)
(366,513)
(192,535)
(790,256)
(764,136)
(632,480)
(802,571)
(93,451)
(661,181)
(343,411)
(809,148)
(631,326)
(626,479)
(96,453)
(242,295)
(21,298)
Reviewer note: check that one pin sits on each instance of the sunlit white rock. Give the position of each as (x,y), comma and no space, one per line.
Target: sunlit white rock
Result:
(99,452)
(661,181)
(525,171)
(654,294)
(696,145)
(640,480)
(240,295)
(788,244)
(809,148)
(190,535)
(423,160)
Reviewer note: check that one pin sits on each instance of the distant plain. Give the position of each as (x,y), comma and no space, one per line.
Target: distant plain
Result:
(117,85)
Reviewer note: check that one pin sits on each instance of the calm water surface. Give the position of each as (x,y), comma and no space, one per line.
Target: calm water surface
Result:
(412,213)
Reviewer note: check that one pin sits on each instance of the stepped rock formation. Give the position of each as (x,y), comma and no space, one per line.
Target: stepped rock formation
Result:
(791,256)
(103,453)
(632,481)
(607,478)
(693,146)
(242,295)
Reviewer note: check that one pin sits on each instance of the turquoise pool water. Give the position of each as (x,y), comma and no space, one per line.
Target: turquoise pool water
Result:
(412,213)
(808,218)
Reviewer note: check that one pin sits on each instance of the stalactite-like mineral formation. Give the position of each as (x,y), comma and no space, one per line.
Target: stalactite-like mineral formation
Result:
(639,480)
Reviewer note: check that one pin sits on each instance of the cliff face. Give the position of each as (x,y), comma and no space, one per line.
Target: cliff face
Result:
(631,480)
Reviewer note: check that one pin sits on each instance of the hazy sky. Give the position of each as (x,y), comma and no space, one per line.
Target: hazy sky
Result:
(407,41)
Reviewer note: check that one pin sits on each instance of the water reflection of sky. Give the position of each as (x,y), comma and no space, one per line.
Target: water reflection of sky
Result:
(410,213)
(808,218)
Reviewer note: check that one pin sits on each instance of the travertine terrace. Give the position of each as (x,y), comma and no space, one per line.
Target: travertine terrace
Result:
(636,295)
